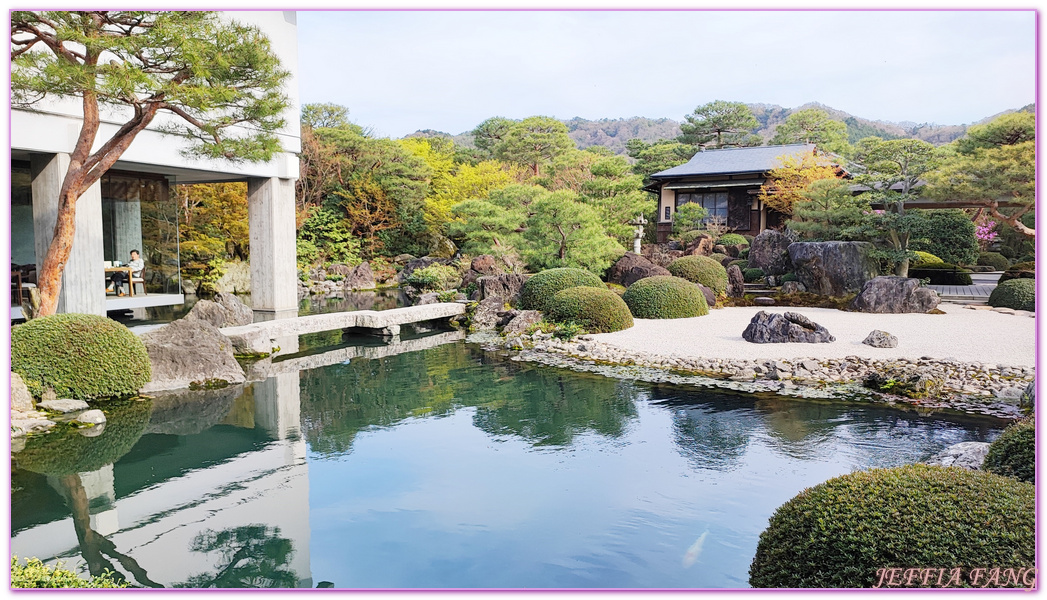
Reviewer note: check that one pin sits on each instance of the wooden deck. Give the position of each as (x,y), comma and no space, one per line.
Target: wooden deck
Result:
(973,293)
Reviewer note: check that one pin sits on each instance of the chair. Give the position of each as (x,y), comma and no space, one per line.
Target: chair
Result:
(139,280)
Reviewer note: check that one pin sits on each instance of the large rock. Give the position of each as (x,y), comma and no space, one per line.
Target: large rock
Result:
(360,278)
(880,339)
(190,351)
(21,399)
(631,268)
(968,455)
(443,248)
(505,286)
(235,279)
(769,251)
(700,246)
(832,268)
(659,257)
(892,294)
(62,405)
(774,328)
(735,282)
(522,321)
(792,287)
(710,295)
(490,313)
(485,264)
(225,311)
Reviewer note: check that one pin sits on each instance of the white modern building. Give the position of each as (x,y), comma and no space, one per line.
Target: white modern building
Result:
(132,207)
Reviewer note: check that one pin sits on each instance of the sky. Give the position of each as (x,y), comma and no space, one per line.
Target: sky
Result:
(401,71)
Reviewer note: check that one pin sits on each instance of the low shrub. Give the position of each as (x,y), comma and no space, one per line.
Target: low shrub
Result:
(79,356)
(942,274)
(1013,454)
(732,239)
(741,264)
(540,288)
(703,270)
(665,297)
(924,258)
(744,253)
(720,258)
(433,278)
(790,276)
(753,275)
(1027,258)
(35,574)
(616,288)
(596,310)
(689,236)
(844,532)
(994,259)
(1021,270)
(1019,294)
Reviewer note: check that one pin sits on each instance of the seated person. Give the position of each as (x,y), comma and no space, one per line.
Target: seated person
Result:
(136,265)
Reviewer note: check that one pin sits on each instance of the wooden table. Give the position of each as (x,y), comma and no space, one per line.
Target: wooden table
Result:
(130,286)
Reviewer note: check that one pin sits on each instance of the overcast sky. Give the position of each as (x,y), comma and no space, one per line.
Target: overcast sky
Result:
(398,72)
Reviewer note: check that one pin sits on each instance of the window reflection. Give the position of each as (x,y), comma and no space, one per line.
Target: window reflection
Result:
(138,214)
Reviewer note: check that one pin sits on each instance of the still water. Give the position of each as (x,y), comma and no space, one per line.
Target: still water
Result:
(434,464)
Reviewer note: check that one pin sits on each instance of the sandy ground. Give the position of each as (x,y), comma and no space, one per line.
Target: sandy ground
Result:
(961,334)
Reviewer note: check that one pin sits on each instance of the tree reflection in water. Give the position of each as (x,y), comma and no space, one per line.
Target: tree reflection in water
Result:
(251,556)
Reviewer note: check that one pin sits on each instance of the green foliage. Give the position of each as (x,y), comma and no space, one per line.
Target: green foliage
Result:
(562,231)
(1013,454)
(567,331)
(942,274)
(35,574)
(657,156)
(213,221)
(925,258)
(753,275)
(720,124)
(813,126)
(720,258)
(594,309)
(828,211)
(538,291)
(79,356)
(665,297)
(325,115)
(689,217)
(1019,294)
(489,134)
(732,239)
(790,276)
(1006,130)
(534,142)
(1020,270)
(433,277)
(948,234)
(839,533)
(995,260)
(328,239)
(689,236)
(703,270)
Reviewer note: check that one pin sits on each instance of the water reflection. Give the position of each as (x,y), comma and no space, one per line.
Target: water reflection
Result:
(250,556)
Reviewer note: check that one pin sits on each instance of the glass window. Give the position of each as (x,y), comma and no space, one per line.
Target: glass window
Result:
(138,214)
(715,203)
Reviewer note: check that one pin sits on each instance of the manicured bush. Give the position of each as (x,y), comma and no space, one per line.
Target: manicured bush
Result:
(753,275)
(689,236)
(540,289)
(924,258)
(720,258)
(596,310)
(839,533)
(744,253)
(79,356)
(1013,454)
(1019,294)
(948,234)
(790,276)
(994,259)
(703,270)
(942,274)
(1021,270)
(732,239)
(35,574)
(434,277)
(665,297)
(741,264)
(614,287)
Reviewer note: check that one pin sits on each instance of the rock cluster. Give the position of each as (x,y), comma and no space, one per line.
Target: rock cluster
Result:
(968,455)
(790,327)
(891,294)
(505,286)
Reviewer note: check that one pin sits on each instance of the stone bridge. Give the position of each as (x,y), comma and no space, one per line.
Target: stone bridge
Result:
(262,337)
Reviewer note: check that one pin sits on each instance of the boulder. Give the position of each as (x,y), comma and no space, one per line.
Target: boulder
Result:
(91,417)
(735,250)
(522,321)
(660,258)
(774,328)
(505,286)
(235,279)
(485,264)
(225,310)
(764,301)
(832,268)
(443,248)
(710,295)
(490,313)
(720,249)
(339,269)
(769,251)
(792,287)
(968,455)
(702,246)
(190,351)
(188,286)
(735,282)
(360,277)
(62,405)
(428,298)
(904,380)
(21,399)
(403,259)
(892,294)
(1028,397)
(419,263)
(880,339)
(631,268)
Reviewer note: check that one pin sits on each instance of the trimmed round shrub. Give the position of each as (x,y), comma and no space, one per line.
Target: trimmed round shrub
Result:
(1019,294)
(995,260)
(540,288)
(942,274)
(744,253)
(703,270)
(753,275)
(741,264)
(689,236)
(1027,258)
(723,259)
(614,287)
(790,276)
(1013,454)
(79,356)
(596,310)
(1021,270)
(665,297)
(839,533)
(732,239)
(925,258)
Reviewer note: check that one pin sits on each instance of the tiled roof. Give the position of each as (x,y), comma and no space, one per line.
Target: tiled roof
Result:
(758,159)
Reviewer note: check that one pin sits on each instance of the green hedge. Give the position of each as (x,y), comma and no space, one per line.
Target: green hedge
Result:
(665,297)
(1019,294)
(924,258)
(740,263)
(434,278)
(790,276)
(720,258)
(995,260)
(689,236)
(942,274)
(596,310)
(79,356)
(540,288)
(35,574)
(1013,454)
(753,275)
(839,533)
(703,270)
(948,233)
(732,239)
(1021,270)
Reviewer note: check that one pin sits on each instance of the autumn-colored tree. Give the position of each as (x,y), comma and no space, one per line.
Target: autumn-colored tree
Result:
(214,76)
(786,183)
(213,220)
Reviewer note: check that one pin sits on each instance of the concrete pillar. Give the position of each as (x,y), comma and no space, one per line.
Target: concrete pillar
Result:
(127,228)
(274,272)
(278,406)
(83,280)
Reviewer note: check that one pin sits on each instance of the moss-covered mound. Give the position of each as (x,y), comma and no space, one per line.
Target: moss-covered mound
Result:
(995,260)
(79,356)
(732,239)
(924,258)
(1021,270)
(596,310)
(689,236)
(942,274)
(720,258)
(1014,453)
(703,270)
(1019,294)
(753,275)
(839,533)
(664,297)
(540,289)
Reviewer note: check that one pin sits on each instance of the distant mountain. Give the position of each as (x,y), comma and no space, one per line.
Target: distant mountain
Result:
(613,133)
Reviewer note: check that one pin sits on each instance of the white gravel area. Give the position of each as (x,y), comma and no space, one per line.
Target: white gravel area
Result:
(962,334)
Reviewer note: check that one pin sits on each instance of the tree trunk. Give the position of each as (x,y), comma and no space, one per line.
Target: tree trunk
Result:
(49,280)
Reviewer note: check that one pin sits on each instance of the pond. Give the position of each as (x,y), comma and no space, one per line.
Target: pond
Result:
(444,466)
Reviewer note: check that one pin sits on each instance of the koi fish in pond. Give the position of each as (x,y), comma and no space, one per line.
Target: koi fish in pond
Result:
(692,554)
